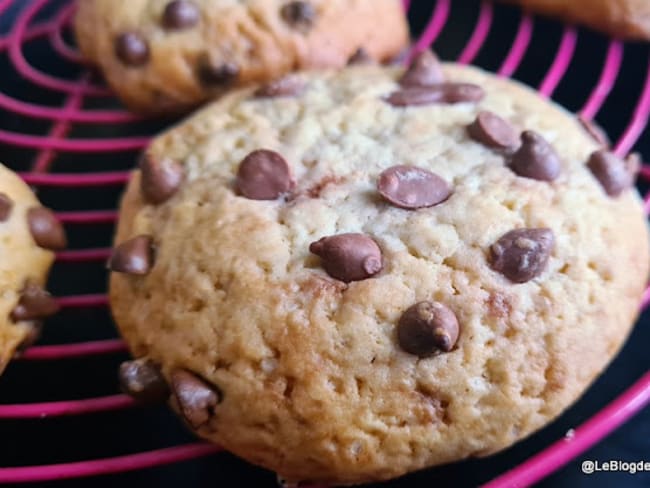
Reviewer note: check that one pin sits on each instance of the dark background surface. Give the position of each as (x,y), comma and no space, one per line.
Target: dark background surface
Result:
(108,434)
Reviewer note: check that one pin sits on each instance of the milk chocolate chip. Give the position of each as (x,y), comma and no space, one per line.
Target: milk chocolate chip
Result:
(299,14)
(348,257)
(536,158)
(289,86)
(142,380)
(34,303)
(425,70)
(493,131)
(135,256)
(522,254)
(159,178)
(411,187)
(216,73)
(180,14)
(613,173)
(443,93)
(360,56)
(196,398)
(6,205)
(263,175)
(132,49)
(45,228)
(427,328)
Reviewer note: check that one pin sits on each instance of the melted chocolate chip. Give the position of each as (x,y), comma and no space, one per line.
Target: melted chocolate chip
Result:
(493,131)
(263,175)
(411,187)
(360,56)
(142,380)
(300,15)
(427,328)
(425,70)
(135,256)
(349,257)
(180,14)
(132,49)
(196,398)
(6,205)
(522,254)
(288,86)
(612,172)
(160,179)
(35,303)
(536,158)
(443,93)
(46,230)
(595,131)
(212,73)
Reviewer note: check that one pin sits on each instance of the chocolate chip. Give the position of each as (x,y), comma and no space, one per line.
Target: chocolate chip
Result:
(34,303)
(142,380)
(411,187)
(536,158)
(493,131)
(427,328)
(444,93)
(612,172)
(595,131)
(46,230)
(425,70)
(6,205)
(180,14)
(360,56)
(263,175)
(213,73)
(348,257)
(160,179)
(196,398)
(522,254)
(299,14)
(132,49)
(288,86)
(135,256)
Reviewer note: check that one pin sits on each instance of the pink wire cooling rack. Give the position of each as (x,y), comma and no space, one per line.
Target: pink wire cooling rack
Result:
(27,27)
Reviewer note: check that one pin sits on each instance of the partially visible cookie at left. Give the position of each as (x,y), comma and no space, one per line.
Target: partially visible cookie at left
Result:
(29,236)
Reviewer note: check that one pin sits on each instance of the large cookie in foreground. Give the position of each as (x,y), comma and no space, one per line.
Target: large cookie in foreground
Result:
(361,278)
(29,233)
(167,56)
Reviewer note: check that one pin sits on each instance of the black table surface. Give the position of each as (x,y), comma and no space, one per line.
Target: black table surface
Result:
(108,434)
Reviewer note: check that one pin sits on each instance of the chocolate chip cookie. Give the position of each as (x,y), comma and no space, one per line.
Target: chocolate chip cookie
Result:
(168,56)
(628,19)
(29,233)
(377,271)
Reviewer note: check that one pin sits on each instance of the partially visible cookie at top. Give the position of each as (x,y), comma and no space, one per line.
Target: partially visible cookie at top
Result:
(628,19)
(345,277)
(168,56)
(29,235)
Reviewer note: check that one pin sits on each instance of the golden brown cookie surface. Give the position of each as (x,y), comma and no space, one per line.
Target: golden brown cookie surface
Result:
(364,279)
(163,56)
(628,19)
(29,233)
